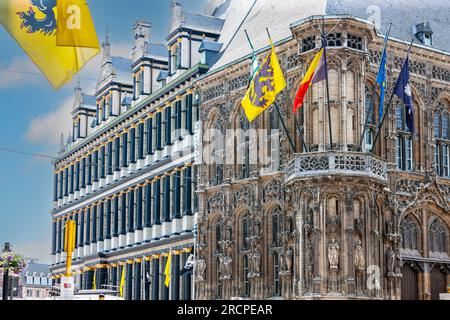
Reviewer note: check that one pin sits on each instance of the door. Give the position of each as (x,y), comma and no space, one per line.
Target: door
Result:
(438,283)
(410,287)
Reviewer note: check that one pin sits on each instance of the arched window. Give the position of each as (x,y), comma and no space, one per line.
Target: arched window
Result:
(370,118)
(438,237)
(245,227)
(276,275)
(274,140)
(242,147)
(442,148)
(404,152)
(276,226)
(410,234)
(218,234)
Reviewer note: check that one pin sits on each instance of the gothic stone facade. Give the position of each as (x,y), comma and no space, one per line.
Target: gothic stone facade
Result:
(330,224)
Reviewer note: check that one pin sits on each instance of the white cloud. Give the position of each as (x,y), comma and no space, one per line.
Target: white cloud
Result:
(47,128)
(18,72)
(36,249)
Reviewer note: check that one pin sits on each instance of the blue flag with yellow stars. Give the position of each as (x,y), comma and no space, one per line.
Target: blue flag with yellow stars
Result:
(381,78)
(403,91)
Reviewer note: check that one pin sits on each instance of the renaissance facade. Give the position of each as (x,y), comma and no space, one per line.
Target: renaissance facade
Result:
(329,221)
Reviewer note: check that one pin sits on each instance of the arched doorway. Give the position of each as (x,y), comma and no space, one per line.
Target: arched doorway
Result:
(410,288)
(438,282)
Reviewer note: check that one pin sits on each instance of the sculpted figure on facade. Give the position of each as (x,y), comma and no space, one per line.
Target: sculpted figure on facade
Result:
(359,259)
(333,254)
(201,269)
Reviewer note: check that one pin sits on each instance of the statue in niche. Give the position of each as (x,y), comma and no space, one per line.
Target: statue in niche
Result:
(289,259)
(390,261)
(359,259)
(257,228)
(333,254)
(309,255)
(225,266)
(201,268)
(229,233)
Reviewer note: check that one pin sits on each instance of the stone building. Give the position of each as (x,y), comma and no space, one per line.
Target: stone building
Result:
(329,221)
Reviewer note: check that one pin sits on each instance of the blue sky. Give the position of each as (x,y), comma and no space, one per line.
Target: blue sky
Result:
(33,115)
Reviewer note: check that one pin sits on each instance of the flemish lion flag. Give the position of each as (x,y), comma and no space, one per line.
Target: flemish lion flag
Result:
(33,24)
(264,88)
(75,27)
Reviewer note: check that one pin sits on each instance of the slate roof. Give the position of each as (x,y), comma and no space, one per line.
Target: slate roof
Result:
(158,51)
(122,66)
(202,23)
(404,15)
(210,46)
(37,268)
(255,15)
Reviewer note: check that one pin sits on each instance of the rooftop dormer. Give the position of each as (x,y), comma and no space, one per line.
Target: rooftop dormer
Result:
(83,113)
(187,32)
(424,33)
(148,61)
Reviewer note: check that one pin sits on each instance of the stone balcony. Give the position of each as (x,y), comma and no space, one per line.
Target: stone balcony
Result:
(336,163)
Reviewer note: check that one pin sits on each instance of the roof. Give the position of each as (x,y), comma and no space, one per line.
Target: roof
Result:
(162,75)
(89,100)
(35,268)
(200,22)
(404,15)
(210,46)
(256,15)
(122,66)
(158,51)
(126,101)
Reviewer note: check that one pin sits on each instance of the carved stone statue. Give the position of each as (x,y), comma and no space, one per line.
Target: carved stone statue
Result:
(289,259)
(333,254)
(201,268)
(390,261)
(309,256)
(360,262)
(225,267)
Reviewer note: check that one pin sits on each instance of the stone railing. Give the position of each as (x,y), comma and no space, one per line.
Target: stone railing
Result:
(336,163)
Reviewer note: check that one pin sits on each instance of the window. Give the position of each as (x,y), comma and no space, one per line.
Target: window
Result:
(218,235)
(441,135)
(36,280)
(219,281)
(308,43)
(245,223)
(276,275)
(438,237)
(404,154)
(410,234)
(29,280)
(246,281)
(276,223)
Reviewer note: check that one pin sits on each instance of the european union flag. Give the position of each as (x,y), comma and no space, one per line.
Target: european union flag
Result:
(381,78)
(403,91)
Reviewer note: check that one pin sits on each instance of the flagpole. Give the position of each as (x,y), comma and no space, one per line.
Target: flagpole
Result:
(374,91)
(278,110)
(388,106)
(195,255)
(324,42)
(298,125)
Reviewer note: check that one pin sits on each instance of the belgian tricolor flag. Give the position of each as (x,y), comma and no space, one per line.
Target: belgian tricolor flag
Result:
(315,73)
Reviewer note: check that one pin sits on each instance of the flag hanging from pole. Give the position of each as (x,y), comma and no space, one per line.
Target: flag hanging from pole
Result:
(94,281)
(315,73)
(167,270)
(75,27)
(381,78)
(33,24)
(122,282)
(264,87)
(403,91)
